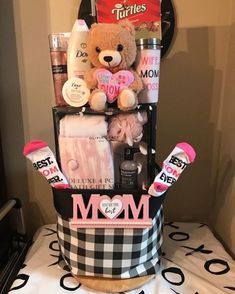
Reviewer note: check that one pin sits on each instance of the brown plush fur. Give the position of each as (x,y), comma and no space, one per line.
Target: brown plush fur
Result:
(108,37)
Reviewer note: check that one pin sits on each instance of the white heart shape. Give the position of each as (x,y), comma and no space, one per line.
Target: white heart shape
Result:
(111,208)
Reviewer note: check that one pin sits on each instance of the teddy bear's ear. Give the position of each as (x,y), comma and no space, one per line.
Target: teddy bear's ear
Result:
(94,25)
(126,24)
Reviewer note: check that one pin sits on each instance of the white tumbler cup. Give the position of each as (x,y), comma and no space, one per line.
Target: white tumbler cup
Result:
(147,66)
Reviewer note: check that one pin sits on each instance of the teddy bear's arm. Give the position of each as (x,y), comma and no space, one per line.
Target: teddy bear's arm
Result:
(90,80)
(137,84)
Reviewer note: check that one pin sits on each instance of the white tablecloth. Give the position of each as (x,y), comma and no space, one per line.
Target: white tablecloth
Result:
(193,262)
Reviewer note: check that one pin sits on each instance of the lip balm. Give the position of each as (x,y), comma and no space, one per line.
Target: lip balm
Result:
(176,162)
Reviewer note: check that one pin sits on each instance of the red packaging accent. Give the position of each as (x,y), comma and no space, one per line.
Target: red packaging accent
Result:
(145,15)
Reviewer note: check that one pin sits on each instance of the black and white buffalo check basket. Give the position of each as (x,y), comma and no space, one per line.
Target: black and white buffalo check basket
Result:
(111,253)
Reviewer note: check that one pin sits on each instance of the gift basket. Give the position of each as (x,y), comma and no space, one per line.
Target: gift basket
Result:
(107,189)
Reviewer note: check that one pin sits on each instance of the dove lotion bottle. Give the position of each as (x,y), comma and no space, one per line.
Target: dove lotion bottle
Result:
(77,57)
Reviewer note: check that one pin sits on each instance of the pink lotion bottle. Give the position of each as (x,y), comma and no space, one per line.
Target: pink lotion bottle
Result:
(58,53)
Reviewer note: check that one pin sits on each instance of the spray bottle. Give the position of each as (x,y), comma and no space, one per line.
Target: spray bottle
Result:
(58,47)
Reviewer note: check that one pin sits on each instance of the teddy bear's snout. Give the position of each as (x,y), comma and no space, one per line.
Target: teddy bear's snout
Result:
(110,58)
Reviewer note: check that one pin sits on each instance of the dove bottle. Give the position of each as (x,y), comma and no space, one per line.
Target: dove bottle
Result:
(77,57)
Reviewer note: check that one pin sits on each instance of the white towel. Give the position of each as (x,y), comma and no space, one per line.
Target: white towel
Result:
(76,125)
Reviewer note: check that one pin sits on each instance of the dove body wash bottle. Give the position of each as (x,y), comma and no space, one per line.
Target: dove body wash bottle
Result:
(77,57)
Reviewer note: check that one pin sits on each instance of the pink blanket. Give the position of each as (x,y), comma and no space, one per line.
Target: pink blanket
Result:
(87,162)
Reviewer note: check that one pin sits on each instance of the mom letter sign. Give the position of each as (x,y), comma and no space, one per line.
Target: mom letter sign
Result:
(103,211)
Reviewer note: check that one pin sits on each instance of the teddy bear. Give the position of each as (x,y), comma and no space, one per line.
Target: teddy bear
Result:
(112,51)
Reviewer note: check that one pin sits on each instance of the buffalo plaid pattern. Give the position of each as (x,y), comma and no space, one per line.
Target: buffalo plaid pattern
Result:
(111,253)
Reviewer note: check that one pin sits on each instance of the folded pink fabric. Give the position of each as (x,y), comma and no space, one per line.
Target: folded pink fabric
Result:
(87,162)
(84,125)
(85,154)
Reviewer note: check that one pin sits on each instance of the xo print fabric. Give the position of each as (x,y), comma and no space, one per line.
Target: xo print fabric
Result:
(193,262)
